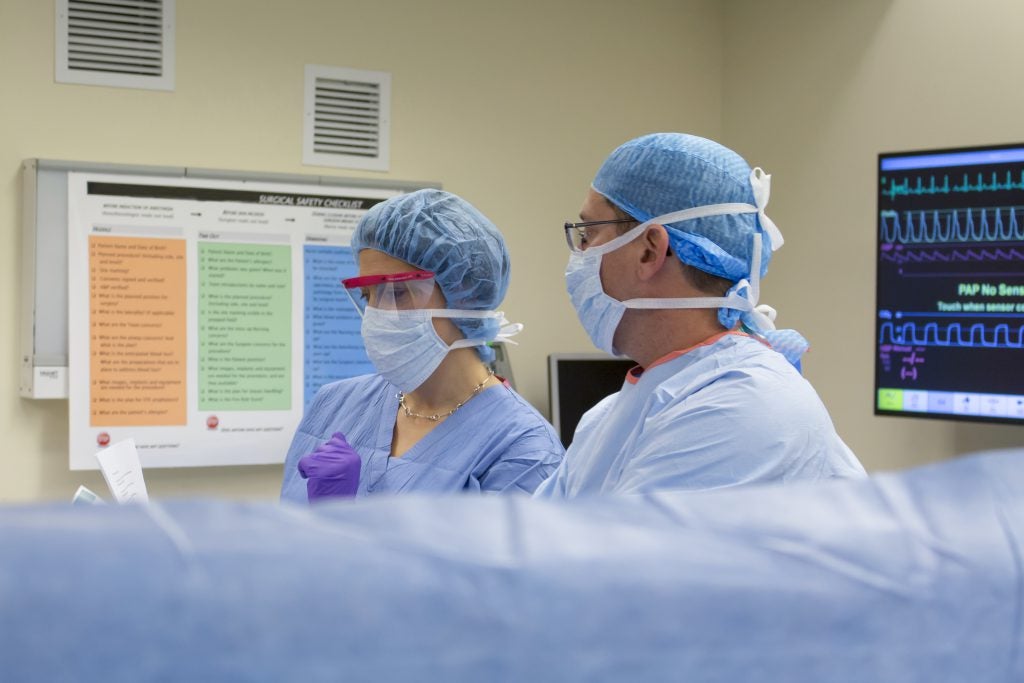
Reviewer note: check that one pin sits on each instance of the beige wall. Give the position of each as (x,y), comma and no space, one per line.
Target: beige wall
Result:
(814,90)
(511,104)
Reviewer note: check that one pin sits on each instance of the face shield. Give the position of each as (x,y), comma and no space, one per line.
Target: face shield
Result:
(392,292)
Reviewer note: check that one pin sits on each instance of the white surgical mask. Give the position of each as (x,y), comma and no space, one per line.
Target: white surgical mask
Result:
(405,348)
(600,314)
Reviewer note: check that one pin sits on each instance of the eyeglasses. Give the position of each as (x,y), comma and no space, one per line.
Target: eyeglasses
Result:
(392,292)
(576,233)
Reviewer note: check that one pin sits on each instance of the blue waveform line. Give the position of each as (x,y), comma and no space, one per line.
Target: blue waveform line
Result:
(977,335)
(897,189)
(954,255)
(931,227)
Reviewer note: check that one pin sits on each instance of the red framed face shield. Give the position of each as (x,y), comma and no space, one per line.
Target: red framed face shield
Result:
(392,291)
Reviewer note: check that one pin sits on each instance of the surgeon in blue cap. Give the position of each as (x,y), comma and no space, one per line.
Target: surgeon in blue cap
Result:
(665,268)
(432,271)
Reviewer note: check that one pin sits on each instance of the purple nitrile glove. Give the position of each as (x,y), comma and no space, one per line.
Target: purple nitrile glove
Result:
(332,470)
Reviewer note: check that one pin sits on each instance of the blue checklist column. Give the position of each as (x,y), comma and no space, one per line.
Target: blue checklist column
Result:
(333,344)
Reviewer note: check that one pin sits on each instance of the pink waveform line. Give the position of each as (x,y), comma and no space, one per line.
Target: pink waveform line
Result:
(955,255)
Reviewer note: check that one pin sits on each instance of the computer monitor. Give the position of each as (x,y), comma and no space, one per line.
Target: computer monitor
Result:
(577,382)
(950,284)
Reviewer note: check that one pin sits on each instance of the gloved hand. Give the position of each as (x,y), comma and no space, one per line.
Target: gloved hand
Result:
(332,470)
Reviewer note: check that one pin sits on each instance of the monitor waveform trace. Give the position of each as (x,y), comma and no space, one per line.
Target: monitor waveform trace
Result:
(895,188)
(951,254)
(937,226)
(972,335)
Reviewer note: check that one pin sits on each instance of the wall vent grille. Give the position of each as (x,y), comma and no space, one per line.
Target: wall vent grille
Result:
(122,43)
(347,118)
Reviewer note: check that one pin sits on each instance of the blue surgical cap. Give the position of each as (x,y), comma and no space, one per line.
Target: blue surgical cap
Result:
(664,172)
(443,233)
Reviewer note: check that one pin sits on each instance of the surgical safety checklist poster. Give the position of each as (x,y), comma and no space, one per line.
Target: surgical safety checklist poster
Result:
(205,314)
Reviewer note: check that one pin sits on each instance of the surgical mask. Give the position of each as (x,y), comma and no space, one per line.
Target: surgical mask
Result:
(405,348)
(601,314)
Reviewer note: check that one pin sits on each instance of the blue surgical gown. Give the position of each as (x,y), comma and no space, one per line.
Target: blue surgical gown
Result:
(495,442)
(727,412)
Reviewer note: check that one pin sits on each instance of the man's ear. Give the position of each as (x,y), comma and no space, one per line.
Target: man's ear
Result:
(655,248)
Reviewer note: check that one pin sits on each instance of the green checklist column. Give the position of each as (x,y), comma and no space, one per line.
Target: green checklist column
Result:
(245,326)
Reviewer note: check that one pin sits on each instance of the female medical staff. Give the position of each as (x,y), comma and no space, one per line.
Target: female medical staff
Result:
(432,269)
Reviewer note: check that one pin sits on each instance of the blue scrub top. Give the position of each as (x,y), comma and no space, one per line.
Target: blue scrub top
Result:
(727,412)
(495,442)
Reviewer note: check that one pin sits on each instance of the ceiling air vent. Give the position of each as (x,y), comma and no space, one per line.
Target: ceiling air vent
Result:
(122,43)
(347,118)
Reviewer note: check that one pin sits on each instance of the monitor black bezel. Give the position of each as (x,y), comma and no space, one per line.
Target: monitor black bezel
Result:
(952,417)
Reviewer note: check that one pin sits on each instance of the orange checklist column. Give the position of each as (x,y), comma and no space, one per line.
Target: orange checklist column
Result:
(137,332)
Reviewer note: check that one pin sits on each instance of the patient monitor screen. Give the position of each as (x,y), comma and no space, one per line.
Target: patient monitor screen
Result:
(950,287)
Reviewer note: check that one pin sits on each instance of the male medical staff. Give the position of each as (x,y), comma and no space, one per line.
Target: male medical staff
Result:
(665,268)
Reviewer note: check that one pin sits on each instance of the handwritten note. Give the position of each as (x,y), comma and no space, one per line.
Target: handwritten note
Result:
(123,472)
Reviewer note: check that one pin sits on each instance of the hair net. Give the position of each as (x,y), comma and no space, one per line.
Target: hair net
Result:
(665,172)
(440,232)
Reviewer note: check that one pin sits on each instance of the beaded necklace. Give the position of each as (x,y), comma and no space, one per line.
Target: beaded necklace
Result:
(438,416)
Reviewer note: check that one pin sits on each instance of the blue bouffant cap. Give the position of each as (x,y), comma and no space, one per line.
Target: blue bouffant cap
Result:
(664,172)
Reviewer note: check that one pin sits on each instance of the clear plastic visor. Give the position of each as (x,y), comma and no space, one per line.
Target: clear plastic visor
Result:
(395,292)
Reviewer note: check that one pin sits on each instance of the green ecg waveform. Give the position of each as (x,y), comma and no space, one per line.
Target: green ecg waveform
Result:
(898,189)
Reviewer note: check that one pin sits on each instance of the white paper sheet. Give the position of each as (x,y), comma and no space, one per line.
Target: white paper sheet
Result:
(123,472)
